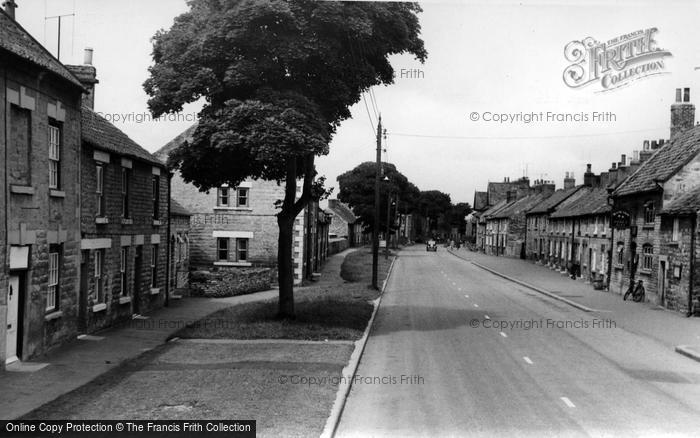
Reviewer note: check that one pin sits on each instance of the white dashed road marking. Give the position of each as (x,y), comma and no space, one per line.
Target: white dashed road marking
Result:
(567,402)
(527,359)
(476,305)
(466,296)
(504,335)
(486,317)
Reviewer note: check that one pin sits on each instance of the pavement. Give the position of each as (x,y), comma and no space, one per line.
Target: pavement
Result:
(29,385)
(672,329)
(456,351)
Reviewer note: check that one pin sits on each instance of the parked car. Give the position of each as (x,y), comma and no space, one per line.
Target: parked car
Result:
(431,245)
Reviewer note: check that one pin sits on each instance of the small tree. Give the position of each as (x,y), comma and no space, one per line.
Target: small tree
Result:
(277,78)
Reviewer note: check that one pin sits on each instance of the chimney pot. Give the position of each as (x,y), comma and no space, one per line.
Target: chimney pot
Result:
(646,145)
(678,94)
(623,160)
(654,145)
(686,95)
(662,142)
(614,166)
(10,7)
(87,56)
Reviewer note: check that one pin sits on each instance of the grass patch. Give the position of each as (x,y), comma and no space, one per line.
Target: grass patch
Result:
(339,310)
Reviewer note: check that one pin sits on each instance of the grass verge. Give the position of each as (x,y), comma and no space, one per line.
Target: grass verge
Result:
(339,309)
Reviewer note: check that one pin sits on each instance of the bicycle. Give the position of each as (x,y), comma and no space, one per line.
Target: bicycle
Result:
(637,292)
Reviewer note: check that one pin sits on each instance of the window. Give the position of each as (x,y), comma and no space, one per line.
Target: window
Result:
(649,213)
(98,292)
(99,190)
(123,263)
(647,256)
(676,230)
(54,157)
(242,250)
(242,197)
(156,197)
(154,266)
(53,287)
(125,192)
(222,249)
(620,253)
(223,197)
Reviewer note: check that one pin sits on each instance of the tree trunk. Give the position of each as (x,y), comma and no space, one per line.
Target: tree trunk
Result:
(285,266)
(291,207)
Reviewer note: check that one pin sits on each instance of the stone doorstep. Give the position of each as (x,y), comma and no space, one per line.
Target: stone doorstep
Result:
(25,367)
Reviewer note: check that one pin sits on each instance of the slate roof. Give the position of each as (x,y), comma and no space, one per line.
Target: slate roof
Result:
(177,209)
(520,206)
(19,42)
(163,153)
(343,211)
(494,210)
(663,164)
(98,132)
(481,200)
(686,203)
(591,202)
(550,203)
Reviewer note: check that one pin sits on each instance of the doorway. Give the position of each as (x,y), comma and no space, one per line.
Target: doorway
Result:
(138,259)
(84,293)
(15,303)
(662,282)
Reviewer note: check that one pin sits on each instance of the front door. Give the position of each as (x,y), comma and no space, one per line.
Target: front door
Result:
(138,259)
(13,320)
(662,282)
(84,293)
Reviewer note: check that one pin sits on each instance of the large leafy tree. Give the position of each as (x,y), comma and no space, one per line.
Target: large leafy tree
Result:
(277,78)
(458,213)
(357,190)
(436,207)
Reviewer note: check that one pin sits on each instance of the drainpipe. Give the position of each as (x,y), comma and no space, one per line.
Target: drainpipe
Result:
(692,264)
(611,252)
(168,248)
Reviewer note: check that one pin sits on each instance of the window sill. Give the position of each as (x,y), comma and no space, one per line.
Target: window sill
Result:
(124,300)
(618,266)
(240,264)
(99,307)
(155,291)
(127,221)
(101,220)
(673,243)
(53,315)
(648,226)
(57,193)
(22,190)
(233,208)
(645,271)
(157,223)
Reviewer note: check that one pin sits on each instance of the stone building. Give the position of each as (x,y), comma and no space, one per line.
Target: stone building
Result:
(179,259)
(234,227)
(680,248)
(672,170)
(124,217)
(39,234)
(509,224)
(344,223)
(537,242)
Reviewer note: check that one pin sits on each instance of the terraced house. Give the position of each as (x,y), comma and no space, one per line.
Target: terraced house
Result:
(40,137)
(124,217)
(656,202)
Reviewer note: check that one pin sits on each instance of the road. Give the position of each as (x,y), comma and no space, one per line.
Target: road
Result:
(458,351)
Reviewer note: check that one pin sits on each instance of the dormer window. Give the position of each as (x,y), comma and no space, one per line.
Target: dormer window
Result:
(649,213)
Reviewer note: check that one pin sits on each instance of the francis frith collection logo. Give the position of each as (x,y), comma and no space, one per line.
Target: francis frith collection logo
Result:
(616,62)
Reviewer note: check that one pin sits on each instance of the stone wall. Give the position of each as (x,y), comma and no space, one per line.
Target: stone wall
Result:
(337,245)
(227,282)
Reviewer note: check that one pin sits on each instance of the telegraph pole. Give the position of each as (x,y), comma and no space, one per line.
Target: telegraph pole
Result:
(375,228)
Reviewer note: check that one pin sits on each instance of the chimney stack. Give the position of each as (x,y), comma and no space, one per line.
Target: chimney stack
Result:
(588,177)
(569,181)
(10,6)
(623,160)
(682,113)
(87,75)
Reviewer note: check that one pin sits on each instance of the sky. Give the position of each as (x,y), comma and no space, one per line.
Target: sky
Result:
(484,59)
